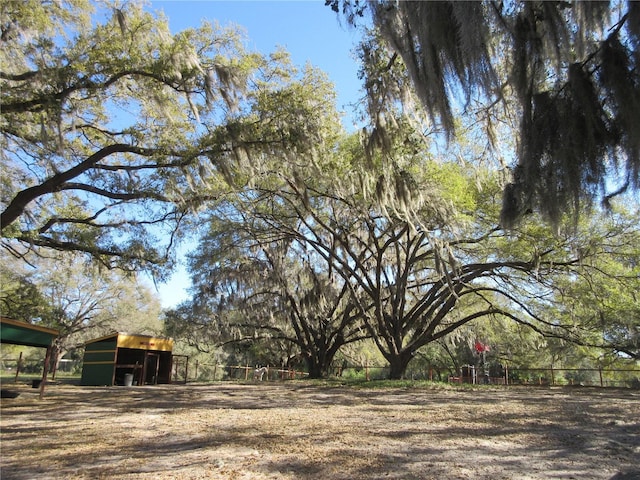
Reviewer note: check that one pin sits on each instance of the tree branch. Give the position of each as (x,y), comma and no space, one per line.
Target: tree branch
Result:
(56,183)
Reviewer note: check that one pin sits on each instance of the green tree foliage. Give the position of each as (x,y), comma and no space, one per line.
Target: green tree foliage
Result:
(20,297)
(568,71)
(603,297)
(114,131)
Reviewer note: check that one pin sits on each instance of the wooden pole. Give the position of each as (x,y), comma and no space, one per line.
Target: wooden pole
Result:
(145,365)
(157,371)
(54,370)
(18,367)
(45,371)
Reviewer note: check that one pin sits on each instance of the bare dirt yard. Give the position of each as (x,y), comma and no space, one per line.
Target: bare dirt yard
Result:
(301,430)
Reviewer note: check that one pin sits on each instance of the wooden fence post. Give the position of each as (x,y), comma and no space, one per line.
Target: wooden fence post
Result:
(186,371)
(600,372)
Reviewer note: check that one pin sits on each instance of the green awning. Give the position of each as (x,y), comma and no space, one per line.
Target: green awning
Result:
(22,333)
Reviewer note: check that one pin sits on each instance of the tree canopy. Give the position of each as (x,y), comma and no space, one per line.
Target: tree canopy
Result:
(114,131)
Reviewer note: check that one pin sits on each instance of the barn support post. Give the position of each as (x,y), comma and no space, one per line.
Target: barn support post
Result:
(18,367)
(145,367)
(115,362)
(45,371)
(157,371)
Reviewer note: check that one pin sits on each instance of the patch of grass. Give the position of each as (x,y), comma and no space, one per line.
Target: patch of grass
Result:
(362,383)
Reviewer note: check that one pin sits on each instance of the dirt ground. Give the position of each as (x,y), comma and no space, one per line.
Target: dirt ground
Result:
(298,430)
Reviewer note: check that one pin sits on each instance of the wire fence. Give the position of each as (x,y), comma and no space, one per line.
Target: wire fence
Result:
(17,367)
(184,371)
(601,377)
(469,374)
(219,372)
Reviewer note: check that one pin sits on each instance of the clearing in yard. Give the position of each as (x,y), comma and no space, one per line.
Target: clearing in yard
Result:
(306,430)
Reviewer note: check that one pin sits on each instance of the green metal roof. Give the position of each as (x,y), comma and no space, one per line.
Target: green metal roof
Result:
(23,333)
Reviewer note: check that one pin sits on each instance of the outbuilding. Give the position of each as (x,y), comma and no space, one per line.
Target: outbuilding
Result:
(123,359)
(16,332)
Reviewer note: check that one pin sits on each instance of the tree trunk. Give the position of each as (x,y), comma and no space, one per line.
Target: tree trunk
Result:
(316,370)
(318,364)
(398,364)
(57,352)
(319,357)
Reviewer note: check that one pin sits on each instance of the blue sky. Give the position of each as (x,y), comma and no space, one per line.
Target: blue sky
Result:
(308,30)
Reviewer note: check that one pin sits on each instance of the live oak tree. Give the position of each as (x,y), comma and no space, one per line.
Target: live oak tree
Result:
(566,71)
(416,244)
(114,129)
(419,249)
(266,285)
(416,286)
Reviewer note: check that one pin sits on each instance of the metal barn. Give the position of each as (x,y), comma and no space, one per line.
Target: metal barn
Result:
(123,359)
